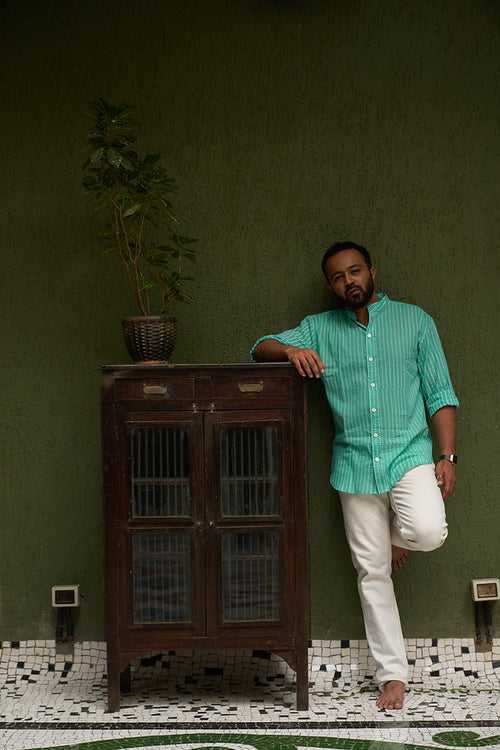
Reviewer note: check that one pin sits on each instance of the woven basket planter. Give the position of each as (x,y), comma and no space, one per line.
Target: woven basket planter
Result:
(150,339)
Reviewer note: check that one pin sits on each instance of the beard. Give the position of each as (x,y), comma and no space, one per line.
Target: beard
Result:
(354,301)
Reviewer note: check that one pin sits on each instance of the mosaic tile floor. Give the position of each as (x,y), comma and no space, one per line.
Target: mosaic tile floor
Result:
(247,700)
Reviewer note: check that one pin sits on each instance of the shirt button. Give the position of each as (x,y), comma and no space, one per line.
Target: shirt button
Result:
(368,335)
(375,434)
(372,385)
(377,458)
(370,359)
(374,410)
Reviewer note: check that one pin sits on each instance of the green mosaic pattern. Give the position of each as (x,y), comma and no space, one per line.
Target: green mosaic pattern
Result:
(465,739)
(213,741)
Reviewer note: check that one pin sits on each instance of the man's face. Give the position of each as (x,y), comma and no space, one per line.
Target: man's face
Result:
(350,279)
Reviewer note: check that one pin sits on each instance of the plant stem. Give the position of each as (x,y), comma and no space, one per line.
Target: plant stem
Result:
(138,255)
(118,235)
(132,262)
(119,231)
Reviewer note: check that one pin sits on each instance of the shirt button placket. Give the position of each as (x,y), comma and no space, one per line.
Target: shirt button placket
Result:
(373,400)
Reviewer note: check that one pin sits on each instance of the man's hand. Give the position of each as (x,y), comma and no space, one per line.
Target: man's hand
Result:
(445,475)
(305,361)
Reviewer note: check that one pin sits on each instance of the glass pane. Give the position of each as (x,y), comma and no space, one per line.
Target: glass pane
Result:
(249,470)
(159,459)
(161,565)
(250,576)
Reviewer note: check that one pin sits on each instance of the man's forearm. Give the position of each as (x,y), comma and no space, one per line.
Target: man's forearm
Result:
(271,350)
(443,426)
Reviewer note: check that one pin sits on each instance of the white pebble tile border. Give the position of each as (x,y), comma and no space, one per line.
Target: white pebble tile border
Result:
(430,660)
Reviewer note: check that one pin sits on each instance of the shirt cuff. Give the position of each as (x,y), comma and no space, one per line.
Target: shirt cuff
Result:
(442,398)
(275,336)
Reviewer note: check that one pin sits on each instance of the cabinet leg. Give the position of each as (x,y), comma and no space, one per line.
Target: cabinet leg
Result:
(113,687)
(302,678)
(126,680)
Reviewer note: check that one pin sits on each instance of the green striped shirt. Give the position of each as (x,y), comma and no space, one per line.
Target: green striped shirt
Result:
(380,381)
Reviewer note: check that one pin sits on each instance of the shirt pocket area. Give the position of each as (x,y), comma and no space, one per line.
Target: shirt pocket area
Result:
(348,397)
(333,382)
(398,381)
(330,375)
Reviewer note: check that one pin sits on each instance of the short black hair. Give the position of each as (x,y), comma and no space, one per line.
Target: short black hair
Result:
(337,247)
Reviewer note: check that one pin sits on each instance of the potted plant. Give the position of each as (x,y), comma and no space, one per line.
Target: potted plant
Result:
(134,191)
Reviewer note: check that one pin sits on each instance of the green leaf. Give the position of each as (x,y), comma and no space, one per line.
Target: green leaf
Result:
(166,205)
(132,210)
(158,263)
(127,164)
(166,248)
(184,240)
(96,156)
(114,157)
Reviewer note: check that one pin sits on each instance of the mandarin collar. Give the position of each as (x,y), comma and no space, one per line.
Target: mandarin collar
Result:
(373,308)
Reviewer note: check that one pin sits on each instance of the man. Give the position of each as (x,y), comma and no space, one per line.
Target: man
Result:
(383,369)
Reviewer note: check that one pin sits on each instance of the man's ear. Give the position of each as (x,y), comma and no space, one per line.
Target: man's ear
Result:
(373,272)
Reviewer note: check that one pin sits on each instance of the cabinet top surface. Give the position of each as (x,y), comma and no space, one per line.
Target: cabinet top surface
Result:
(196,365)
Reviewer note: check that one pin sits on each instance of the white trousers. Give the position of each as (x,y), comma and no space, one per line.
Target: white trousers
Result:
(411,515)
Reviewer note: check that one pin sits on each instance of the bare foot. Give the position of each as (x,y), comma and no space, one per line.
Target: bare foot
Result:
(399,556)
(393,695)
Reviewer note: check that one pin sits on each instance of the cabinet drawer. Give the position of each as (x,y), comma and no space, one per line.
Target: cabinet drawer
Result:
(156,389)
(251,388)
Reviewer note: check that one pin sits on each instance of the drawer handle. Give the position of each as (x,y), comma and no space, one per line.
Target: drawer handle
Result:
(251,387)
(155,390)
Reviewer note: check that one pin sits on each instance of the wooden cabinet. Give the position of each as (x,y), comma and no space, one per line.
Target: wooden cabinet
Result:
(205,494)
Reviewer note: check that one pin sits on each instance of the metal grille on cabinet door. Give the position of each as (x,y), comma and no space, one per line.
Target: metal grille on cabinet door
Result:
(250,575)
(160,471)
(161,565)
(249,470)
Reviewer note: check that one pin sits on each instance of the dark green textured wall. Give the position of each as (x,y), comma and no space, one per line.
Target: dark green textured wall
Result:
(287,125)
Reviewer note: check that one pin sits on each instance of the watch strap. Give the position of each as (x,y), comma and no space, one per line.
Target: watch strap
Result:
(451,457)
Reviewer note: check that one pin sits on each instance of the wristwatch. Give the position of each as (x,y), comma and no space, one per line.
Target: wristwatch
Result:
(451,457)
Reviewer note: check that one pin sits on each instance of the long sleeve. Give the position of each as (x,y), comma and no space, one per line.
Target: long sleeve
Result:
(435,379)
(302,336)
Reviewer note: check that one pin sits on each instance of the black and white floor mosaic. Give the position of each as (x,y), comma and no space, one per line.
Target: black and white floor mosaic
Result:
(48,699)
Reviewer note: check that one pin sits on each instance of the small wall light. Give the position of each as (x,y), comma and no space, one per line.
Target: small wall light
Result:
(64,599)
(484,592)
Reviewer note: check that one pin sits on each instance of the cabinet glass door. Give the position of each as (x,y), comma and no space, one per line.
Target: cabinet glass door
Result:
(165,512)
(160,471)
(250,575)
(249,476)
(250,537)
(162,577)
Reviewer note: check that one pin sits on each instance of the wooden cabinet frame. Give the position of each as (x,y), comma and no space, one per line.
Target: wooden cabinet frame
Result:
(203,401)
